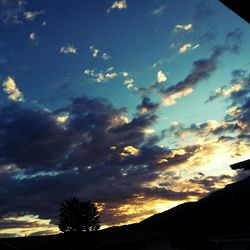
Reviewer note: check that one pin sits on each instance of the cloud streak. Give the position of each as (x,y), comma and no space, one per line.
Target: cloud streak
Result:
(68,49)
(201,70)
(186,47)
(159,11)
(184,27)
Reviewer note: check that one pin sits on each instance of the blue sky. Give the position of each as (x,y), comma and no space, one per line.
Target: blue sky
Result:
(140,97)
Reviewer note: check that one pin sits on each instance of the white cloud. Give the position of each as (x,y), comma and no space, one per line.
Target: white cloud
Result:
(9,87)
(184,27)
(31,16)
(100,77)
(89,72)
(171,99)
(125,74)
(106,56)
(187,46)
(129,83)
(94,51)
(227,92)
(69,49)
(111,75)
(120,4)
(34,38)
(161,77)
(109,69)
(184,48)
(158,11)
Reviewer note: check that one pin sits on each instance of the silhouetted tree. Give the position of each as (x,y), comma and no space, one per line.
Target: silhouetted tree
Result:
(77,216)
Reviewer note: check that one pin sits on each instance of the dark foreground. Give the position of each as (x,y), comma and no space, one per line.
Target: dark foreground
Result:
(220,221)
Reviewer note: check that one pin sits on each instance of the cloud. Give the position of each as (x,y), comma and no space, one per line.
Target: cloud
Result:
(111,75)
(129,83)
(185,27)
(237,96)
(34,38)
(172,98)
(234,39)
(225,92)
(68,49)
(161,77)
(147,106)
(9,87)
(61,119)
(125,74)
(24,225)
(11,10)
(200,132)
(119,5)
(92,149)
(130,150)
(211,183)
(109,69)
(158,11)
(106,56)
(201,70)
(96,153)
(187,46)
(96,52)
(31,16)
(101,76)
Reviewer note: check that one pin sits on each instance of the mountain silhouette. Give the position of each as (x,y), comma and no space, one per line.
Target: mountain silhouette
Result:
(192,226)
(224,211)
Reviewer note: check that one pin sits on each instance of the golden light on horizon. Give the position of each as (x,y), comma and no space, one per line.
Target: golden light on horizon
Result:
(29,224)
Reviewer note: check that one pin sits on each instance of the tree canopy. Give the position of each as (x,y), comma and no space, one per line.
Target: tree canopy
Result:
(77,216)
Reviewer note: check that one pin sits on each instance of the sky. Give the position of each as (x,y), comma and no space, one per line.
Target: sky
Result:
(136,105)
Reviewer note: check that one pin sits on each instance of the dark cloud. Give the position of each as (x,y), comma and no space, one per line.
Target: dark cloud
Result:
(215,95)
(203,68)
(210,183)
(43,161)
(29,138)
(147,105)
(237,74)
(11,223)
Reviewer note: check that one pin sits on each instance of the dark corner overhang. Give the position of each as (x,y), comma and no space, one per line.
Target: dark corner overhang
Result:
(243,164)
(240,7)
